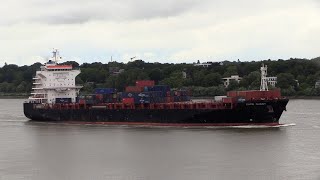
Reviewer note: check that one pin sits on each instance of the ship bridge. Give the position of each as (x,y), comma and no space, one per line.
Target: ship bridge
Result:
(54,81)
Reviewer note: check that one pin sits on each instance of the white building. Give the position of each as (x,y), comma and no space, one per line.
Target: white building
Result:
(272,81)
(317,84)
(227,80)
(184,74)
(55,82)
(207,64)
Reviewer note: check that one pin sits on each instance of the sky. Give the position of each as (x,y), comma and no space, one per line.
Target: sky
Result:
(158,30)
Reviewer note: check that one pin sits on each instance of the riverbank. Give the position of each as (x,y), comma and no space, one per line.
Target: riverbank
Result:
(289,97)
(25,96)
(14,95)
(303,97)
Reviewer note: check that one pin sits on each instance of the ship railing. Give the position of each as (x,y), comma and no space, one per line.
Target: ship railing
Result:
(173,106)
(45,69)
(36,87)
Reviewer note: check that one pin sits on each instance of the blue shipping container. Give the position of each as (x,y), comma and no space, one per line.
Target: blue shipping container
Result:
(156,94)
(88,101)
(163,88)
(145,97)
(104,91)
(158,100)
(128,94)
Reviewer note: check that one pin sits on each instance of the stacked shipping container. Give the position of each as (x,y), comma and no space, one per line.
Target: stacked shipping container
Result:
(255,94)
(144,92)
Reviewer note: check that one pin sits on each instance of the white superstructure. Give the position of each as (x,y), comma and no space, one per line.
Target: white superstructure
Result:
(55,82)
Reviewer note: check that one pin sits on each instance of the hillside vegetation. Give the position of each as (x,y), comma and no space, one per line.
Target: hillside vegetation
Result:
(202,81)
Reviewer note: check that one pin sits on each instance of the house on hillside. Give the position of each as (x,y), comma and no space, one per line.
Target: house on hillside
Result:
(206,64)
(272,81)
(115,70)
(317,84)
(227,80)
(184,74)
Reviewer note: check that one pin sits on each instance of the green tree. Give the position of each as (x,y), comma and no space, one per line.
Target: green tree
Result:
(111,81)
(156,74)
(231,70)
(212,79)
(252,81)
(175,80)
(1,78)
(22,87)
(79,80)
(233,85)
(286,80)
(73,63)
(216,91)
(290,91)
(198,78)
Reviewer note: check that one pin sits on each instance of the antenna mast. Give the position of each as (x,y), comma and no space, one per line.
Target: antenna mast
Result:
(56,55)
(264,80)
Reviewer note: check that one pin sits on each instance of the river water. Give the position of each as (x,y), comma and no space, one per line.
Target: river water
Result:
(48,151)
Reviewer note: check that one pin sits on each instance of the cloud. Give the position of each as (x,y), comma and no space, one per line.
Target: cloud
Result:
(81,11)
(154,30)
(277,33)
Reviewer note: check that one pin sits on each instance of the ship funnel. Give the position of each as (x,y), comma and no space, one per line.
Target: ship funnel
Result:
(264,80)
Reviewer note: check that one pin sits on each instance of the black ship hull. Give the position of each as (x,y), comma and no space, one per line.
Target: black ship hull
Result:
(255,112)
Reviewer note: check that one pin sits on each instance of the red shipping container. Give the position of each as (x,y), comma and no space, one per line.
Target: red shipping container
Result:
(232,93)
(243,93)
(277,93)
(255,94)
(273,94)
(261,94)
(143,83)
(82,101)
(227,100)
(128,100)
(99,96)
(136,89)
(169,99)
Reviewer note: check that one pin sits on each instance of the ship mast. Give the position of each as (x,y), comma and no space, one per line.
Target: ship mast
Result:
(56,57)
(264,80)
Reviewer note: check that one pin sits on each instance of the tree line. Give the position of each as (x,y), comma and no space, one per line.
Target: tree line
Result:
(295,76)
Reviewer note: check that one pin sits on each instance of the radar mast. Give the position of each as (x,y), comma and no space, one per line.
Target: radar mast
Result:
(264,80)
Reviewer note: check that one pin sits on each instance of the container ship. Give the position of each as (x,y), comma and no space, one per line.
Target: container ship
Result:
(55,98)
